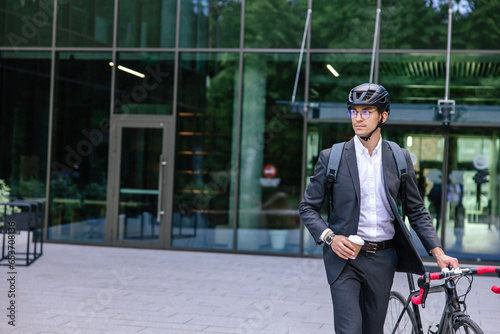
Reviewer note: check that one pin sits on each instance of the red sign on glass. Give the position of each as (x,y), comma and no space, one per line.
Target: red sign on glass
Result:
(270,171)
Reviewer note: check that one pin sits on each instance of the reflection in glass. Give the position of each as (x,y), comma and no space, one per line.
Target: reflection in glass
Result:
(85,23)
(337,24)
(417,81)
(420,78)
(428,28)
(473,224)
(144,83)
(139,180)
(205,161)
(276,24)
(146,24)
(26,23)
(24,122)
(414,78)
(470,28)
(353,70)
(210,24)
(271,152)
(80,147)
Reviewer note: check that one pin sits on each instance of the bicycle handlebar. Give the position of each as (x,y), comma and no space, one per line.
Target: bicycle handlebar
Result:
(424,280)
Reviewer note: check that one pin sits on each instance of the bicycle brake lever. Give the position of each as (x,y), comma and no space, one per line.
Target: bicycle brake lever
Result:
(426,292)
(424,284)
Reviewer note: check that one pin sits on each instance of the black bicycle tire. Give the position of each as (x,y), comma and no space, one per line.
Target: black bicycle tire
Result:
(470,326)
(397,301)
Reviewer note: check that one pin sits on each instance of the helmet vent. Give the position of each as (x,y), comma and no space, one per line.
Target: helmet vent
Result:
(363,96)
(368,96)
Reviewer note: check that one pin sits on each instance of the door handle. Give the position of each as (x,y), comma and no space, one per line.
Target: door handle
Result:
(160,189)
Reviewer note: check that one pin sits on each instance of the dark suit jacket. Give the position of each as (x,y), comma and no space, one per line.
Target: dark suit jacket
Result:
(344,218)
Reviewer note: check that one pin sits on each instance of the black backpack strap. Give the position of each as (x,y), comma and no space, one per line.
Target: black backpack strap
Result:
(334,161)
(332,170)
(400,159)
(402,166)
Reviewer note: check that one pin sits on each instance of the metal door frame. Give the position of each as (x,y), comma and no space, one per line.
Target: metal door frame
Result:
(118,122)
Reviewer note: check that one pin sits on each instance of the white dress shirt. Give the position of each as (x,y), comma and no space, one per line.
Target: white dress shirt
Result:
(375,217)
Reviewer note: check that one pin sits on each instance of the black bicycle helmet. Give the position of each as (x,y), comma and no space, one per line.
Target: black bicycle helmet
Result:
(370,94)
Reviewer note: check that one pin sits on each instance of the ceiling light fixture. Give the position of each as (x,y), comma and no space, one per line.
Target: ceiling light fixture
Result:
(331,69)
(128,70)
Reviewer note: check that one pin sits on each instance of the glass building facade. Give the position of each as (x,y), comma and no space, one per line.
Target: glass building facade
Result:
(170,124)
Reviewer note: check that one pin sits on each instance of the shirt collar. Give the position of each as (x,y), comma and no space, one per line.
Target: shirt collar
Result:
(360,149)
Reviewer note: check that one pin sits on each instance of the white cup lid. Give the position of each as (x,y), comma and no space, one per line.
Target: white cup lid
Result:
(356,239)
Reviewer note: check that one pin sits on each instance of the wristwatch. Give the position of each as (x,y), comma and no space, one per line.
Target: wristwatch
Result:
(329,239)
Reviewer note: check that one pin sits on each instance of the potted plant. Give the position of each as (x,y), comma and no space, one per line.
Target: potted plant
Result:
(5,198)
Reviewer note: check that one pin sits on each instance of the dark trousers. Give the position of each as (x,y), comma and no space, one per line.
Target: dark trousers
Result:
(361,293)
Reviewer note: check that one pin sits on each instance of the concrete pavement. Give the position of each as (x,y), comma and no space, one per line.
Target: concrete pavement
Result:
(92,289)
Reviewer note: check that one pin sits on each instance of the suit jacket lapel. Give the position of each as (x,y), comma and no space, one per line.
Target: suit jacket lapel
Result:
(350,155)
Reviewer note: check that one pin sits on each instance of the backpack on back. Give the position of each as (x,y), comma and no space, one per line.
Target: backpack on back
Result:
(334,162)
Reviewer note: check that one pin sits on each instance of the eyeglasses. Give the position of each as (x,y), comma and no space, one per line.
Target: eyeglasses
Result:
(364,113)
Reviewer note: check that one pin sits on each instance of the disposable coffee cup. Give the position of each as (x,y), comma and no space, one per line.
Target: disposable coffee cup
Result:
(357,242)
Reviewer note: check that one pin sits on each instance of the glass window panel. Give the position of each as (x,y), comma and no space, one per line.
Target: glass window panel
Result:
(271,156)
(413,24)
(80,147)
(475,79)
(420,24)
(338,24)
(414,78)
(26,23)
(475,25)
(205,151)
(84,23)
(210,24)
(147,23)
(24,126)
(417,81)
(353,69)
(473,212)
(144,83)
(275,24)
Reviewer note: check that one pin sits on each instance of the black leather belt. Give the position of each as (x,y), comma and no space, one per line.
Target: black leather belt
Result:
(372,247)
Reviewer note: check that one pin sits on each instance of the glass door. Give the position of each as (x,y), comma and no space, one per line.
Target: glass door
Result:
(142,174)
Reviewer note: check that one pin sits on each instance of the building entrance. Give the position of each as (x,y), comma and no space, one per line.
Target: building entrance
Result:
(141,166)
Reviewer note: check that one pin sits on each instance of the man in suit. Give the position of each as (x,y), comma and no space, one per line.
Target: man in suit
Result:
(364,204)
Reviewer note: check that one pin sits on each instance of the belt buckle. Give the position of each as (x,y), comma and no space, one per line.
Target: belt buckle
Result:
(371,247)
